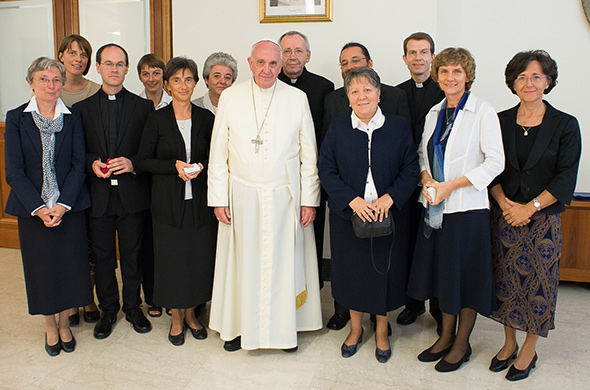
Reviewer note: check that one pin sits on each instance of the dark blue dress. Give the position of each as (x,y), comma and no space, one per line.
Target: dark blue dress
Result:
(343,167)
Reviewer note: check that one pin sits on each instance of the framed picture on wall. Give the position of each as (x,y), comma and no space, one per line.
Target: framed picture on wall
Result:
(281,11)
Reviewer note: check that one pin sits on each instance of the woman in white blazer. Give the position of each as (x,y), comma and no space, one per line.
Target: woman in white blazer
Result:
(460,154)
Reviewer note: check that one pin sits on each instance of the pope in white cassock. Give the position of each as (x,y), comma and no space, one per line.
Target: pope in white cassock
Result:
(264,185)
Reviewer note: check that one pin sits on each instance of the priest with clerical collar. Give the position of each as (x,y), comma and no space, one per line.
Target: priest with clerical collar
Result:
(264,186)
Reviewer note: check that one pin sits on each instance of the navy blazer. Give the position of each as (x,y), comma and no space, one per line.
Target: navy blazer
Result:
(134,188)
(161,145)
(24,163)
(393,101)
(344,162)
(552,164)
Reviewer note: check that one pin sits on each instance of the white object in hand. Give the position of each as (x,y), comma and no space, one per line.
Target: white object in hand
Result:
(432,192)
(193,168)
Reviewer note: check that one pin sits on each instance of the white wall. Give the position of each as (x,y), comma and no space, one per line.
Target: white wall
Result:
(492,30)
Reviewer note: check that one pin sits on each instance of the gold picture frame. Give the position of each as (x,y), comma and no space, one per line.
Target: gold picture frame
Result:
(283,11)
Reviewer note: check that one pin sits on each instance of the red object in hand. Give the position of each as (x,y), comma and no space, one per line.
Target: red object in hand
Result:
(105,170)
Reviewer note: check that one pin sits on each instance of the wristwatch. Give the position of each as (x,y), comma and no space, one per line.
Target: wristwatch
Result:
(537,204)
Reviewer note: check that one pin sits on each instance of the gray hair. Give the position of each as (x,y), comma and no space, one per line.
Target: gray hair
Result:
(362,72)
(220,58)
(293,32)
(44,63)
(279,48)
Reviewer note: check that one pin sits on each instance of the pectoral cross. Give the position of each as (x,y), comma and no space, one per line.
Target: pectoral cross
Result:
(257,141)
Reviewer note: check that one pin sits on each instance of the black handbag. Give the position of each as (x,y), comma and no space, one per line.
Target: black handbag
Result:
(371,229)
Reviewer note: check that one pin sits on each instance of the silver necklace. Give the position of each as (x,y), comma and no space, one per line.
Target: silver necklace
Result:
(258,141)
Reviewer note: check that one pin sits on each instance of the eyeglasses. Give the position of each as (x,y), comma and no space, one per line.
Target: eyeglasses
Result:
(109,64)
(354,61)
(535,79)
(298,52)
(45,81)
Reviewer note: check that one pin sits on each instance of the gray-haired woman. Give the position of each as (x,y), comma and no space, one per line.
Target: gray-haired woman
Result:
(220,72)
(45,165)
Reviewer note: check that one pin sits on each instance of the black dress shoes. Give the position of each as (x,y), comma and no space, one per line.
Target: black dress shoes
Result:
(444,366)
(338,321)
(408,316)
(233,345)
(140,323)
(104,326)
(291,350)
(177,340)
(498,365)
(428,356)
(52,350)
(91,316)
(514,374)
(69,346)
(74,319)
(199,334)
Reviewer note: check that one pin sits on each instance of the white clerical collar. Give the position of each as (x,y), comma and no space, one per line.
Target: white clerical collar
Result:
(209,104)
(375,123)
(60,107)
(262,90)
(419,85)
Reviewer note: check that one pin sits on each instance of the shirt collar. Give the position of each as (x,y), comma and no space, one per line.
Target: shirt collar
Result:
(60,107)
(375,123)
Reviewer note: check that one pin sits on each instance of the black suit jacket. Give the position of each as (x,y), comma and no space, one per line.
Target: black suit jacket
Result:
(316,88)
(134,188)
(161,145)
(24,163)
(432,95)
(393,101)
(552,164)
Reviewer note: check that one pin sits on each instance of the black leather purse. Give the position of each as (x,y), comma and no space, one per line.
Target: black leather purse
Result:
(371,229)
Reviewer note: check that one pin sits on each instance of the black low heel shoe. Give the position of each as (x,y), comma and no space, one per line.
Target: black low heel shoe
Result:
(177,340)
(498,365)
(428,356)
(350,350)
(52,350)
(69,346)
(514,374)
(199,334)
(444,366)
(382,356)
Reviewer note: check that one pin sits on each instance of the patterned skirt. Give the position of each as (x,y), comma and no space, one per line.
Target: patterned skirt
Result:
(526,266)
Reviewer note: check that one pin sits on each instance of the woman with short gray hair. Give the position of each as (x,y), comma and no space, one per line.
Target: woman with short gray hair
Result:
(45,168)
(220,71)
(368,165)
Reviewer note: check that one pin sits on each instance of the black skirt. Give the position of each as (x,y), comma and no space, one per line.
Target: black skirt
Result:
(356,284)
(455,264)
(184,262)
(55,263)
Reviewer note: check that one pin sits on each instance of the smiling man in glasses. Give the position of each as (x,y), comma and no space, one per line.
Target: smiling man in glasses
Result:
(113,120)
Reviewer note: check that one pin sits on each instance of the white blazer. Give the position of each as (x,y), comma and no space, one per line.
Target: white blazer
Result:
(474,150)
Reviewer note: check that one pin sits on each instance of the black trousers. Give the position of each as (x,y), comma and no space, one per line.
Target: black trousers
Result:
(103,232)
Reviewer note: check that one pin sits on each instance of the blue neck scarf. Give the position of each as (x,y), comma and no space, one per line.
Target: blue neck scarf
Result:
(434,214)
